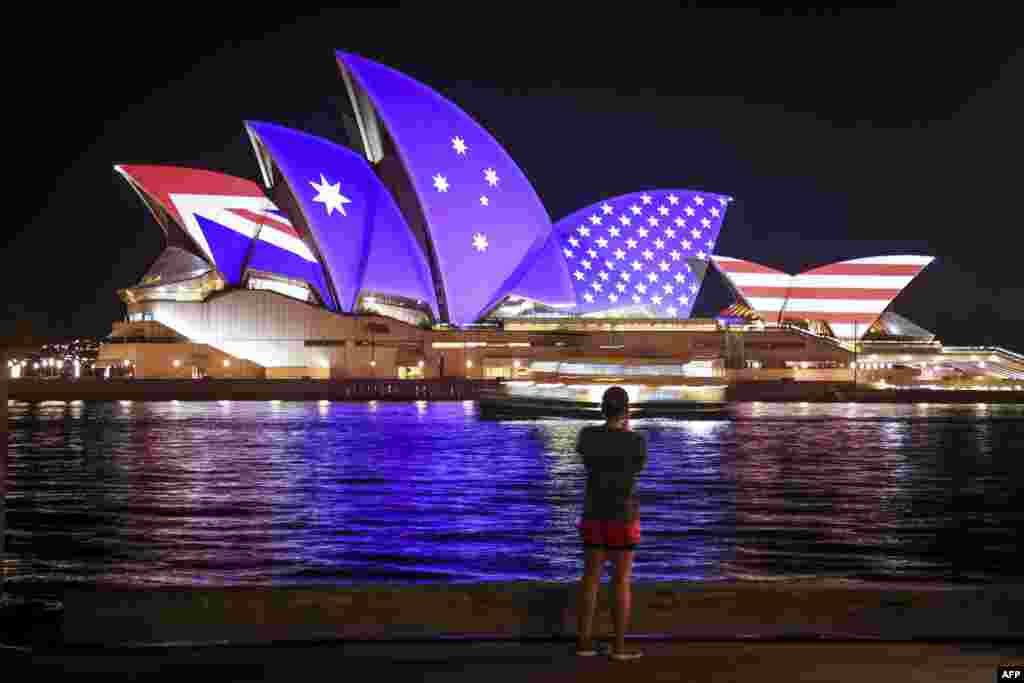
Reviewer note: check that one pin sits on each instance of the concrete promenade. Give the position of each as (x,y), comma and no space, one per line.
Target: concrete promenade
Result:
(679,610)
(700,631)
(493,661)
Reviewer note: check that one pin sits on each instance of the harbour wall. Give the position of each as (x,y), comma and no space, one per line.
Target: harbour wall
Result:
(458,389)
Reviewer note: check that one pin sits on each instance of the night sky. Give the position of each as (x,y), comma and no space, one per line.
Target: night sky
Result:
(840,136)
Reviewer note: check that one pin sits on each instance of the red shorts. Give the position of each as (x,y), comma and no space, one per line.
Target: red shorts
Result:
(610,534)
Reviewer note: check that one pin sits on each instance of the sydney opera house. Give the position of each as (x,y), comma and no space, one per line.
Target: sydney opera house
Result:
(423,251)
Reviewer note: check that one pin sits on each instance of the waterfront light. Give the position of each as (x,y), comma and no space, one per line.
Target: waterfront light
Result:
(515,364)
(126,403)
(420,363)
(177,363)
(325,402)
(227,363)
(469,363)
(373,363)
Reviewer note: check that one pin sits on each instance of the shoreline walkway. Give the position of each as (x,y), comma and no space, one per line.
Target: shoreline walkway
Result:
(473,660)
(690,631)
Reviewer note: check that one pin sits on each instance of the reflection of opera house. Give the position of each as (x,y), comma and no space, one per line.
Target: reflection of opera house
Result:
(428,253)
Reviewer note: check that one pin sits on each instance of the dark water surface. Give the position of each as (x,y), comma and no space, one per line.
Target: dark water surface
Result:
(262,493)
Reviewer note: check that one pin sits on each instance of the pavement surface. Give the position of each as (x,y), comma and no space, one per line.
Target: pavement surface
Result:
(492,661)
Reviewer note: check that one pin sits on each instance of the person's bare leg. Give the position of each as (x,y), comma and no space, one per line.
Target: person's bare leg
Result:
(592,569)
(623,598)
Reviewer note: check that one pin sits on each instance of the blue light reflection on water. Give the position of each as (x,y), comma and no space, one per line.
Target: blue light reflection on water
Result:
(260,493)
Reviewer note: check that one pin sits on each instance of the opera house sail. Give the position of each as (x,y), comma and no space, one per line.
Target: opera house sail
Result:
(841,299)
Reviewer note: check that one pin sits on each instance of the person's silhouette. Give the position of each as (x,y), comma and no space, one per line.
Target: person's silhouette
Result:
(610,526)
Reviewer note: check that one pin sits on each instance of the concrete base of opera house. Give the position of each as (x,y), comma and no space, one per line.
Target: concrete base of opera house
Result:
(815,609)
(91,389)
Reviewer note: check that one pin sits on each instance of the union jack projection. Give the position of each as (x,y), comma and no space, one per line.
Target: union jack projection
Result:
(646,251)
(228,220)
(849,295)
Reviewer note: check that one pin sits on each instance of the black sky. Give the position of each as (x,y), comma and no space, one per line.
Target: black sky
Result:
(840,136)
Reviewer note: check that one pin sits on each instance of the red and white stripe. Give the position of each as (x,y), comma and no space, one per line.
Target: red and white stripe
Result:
(236,203)
(763,289)
(850,295)
(247,216)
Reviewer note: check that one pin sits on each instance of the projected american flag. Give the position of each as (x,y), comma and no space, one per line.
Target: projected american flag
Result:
(644,250)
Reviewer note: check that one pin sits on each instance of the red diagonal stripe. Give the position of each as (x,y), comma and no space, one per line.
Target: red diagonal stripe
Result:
(262,219)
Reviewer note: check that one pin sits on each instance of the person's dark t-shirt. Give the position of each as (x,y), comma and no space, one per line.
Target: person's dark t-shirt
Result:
(613,458)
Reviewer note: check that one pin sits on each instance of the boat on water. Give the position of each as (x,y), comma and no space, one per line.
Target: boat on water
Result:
(574,390)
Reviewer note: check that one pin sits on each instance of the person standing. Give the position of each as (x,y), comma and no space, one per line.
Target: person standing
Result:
(610,526)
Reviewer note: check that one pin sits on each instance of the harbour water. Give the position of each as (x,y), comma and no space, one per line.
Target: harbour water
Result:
(268,493)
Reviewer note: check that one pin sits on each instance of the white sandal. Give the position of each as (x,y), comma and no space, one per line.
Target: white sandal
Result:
(625,656)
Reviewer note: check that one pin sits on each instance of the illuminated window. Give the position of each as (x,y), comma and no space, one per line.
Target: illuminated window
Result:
(280,286)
